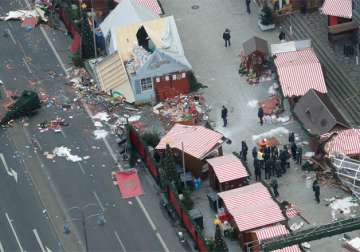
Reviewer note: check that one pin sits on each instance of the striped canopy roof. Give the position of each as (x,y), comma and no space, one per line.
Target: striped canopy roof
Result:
(299,71)
(337,8)
(274,231)
(251,206)
(198,141)
(228,168)
(150,4)
(346,142)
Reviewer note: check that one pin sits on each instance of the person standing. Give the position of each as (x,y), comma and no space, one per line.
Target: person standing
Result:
(291,137)
(293,150)
(244,151)
(254,152)
(299,155)
(247,2)
(261,115)
(273,168)
(224,113)
(274,185)
(257,170)
(316,189)
(278,168)
(283,158)
(227,37)
(282,36)
(267,169)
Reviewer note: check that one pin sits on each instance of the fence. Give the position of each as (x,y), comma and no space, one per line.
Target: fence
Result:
(193,229)
(75,44)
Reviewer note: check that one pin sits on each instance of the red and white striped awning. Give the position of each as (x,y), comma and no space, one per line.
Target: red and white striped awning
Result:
(228,168)
(237,197)
(198,141)
(337,8)
(270,232)
(346,142)
(299,71)
(259,214)
(275,231)
(251,206)
(293,248)
(150,4)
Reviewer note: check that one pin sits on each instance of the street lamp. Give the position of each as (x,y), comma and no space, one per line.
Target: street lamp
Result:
(100,221)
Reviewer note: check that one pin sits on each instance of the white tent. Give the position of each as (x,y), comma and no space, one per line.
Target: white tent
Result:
(125,13)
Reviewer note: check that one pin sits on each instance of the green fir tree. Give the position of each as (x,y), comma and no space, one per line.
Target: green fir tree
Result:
(219,243)
(266,17)
(87,40)
(168,171)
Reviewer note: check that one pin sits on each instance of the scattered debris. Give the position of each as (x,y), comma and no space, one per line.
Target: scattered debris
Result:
(102,116)
(253,103)
(271,133)
(98,124)
(100,133)
(63,151)
(342,206)
(296,226)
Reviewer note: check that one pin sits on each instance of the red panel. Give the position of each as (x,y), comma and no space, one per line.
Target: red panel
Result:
(151,166)
(189,226)
(134,139)
(333,20)
(129,183)
(201,245)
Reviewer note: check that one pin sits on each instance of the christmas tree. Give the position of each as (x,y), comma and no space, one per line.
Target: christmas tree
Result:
(219,243)
(266,17)
(168,171)
(87,40)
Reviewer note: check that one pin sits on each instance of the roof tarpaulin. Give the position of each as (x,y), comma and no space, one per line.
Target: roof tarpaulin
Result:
(299,71)
(125,13)
(150,4)
(337,8)
(129,183)
(255,44)
(228,168)
(198,141)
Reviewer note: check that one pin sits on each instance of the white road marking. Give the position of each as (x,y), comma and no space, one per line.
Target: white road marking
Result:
(162,241)
(99,201)
(11,35)
(119,240)
(14,233)
(1,247)
(104,139)
(27,66)
(39,240)
(9,171)
(81,168)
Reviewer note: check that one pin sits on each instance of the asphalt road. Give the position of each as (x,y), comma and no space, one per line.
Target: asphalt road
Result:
(28,62)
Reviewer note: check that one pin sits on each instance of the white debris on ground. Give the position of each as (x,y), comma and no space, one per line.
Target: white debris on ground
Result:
(283,119)
(98,124)
(296,226)
(100,133)
(37,12)
(63,151)
(309,154)
(253,103)
(306,245)
(86,157)
(102,116)
(342,206)
(355,243)
(134,118)
(272,90)
(271,133)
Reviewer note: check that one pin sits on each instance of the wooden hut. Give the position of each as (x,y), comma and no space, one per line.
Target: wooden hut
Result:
(227,172)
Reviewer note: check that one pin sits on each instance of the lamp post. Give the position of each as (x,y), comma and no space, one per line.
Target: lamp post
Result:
(93,26)
(83,218)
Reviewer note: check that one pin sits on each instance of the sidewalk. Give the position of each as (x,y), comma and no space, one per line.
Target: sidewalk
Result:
(217,67)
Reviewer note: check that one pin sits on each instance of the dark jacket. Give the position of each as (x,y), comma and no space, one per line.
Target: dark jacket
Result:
(224,112)
(226,35)
(260,112)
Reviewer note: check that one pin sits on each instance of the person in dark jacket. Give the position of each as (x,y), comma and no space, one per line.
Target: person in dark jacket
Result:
(282,35)
(254,152)
(283,159)
(299,155)
(316,189)
(274,186)
(291,137)
(257,169)
(247,2)
(293,150)
(278,168)
(273,168)
(261,115)
(224,113)
(227,37)
(244,150)
(267,169)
